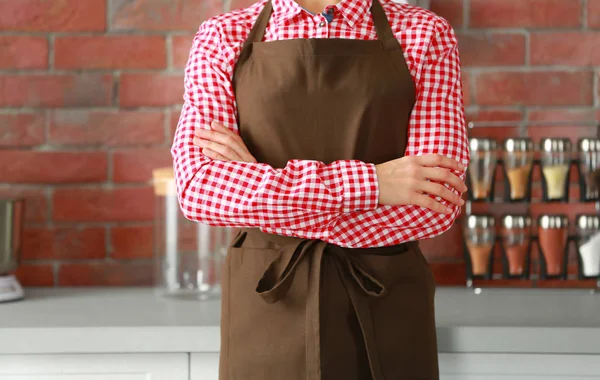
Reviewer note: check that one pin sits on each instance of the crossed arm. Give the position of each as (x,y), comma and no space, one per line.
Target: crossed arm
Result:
(220,183)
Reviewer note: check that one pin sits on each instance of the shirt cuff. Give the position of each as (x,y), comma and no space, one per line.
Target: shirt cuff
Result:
(361,189)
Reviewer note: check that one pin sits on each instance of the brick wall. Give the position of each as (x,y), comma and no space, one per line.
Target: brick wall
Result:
(90,93)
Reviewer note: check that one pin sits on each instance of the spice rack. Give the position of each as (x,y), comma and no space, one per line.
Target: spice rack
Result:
(537,173)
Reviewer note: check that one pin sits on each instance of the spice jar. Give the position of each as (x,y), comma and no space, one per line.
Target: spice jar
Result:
(588,239)
(556,160)
(482,167)
(517,238)
(553,238)
(518,160)
(480,236)
(589,168)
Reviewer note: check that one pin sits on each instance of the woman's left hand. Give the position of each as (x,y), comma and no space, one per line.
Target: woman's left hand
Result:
(220,143)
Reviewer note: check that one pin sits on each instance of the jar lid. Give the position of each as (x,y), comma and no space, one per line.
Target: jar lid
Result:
(480,221)
(589,145)
(588,222)
(482,144)
(553,221)
(516,221)
(164,181)
(518,145)
(556,145)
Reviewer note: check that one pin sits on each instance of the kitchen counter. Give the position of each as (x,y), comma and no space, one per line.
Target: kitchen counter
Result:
(102,320)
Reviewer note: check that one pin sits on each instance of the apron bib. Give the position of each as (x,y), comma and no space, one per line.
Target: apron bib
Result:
(301,309)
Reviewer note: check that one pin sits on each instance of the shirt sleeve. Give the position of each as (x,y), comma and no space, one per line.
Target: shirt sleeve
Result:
(302,196)
(436,126)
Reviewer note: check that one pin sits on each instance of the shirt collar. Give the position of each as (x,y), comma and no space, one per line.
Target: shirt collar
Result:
(352,11)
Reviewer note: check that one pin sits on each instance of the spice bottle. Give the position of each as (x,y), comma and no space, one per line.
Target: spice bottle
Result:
(589,168)
(518,160)
(482,167)
(556,161)
(588,239)
(516,244)
(553,238)
(480,236)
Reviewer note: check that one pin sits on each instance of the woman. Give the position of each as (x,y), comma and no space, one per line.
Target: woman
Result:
(333,135)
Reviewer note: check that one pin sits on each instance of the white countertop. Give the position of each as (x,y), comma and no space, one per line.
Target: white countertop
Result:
(100,320)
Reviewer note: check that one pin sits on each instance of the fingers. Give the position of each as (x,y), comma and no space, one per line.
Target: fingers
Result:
(441,191)
(214,155)
(439,160)
(231,144)
(224,151)
(444,176)
(430,203)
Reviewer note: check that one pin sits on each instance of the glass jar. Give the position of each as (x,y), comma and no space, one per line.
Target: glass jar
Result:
(553,237)
(556,161)
(518,160)
(482,167)
(517,237)
(480,236)
(188,254)
(589,168)
(588,243)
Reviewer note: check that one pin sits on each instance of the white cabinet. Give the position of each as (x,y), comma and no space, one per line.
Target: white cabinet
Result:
(474,366)
(95,367)
(204,366)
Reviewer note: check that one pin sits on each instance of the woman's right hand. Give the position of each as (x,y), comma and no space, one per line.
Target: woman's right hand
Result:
(409,180)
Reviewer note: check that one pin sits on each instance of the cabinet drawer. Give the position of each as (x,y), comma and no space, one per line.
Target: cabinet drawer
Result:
(204,366)
(95,367)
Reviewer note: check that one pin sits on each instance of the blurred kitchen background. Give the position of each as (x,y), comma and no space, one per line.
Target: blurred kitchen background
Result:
(90,93)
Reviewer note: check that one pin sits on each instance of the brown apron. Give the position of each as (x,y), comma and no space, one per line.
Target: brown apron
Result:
(302,309)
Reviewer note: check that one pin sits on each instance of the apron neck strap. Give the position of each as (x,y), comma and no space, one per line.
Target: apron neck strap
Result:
(382,26)
(258,30)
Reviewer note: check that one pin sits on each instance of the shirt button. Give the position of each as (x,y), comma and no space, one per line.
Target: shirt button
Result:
(321,24)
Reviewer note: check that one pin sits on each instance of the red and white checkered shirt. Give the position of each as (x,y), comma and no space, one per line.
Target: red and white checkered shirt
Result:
(337,203)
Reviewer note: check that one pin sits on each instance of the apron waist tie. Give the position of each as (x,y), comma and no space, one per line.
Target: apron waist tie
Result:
(357,280)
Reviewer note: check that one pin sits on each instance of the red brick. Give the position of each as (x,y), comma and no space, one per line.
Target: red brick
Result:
(451,10)
(106,274)
(53,16)
(181,50)
(112,128)
(134,242)
(525,13)
(21,52)
(64,243)
(175,115)
(467,86)
(494,115)
(560,115)
(110,52)
(55,90)
(593,12)
(18,166)
(446,245)
(35,274)
(534,88)
(565,48)
(23,129)
(36,203)
(491,49)
(99,205)
(162,15)
(136,165)
(449,273)
(240,4)
(138,90)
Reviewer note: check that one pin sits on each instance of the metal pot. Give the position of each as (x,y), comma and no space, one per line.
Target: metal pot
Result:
(12,214)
